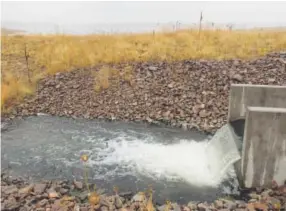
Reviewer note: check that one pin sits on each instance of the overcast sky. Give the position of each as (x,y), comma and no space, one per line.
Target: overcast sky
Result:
(142,12)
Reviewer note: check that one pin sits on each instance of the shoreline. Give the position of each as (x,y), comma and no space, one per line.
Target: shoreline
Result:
(18,194)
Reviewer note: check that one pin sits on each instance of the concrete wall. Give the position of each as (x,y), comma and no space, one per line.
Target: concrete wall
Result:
(243,95)
(264,143)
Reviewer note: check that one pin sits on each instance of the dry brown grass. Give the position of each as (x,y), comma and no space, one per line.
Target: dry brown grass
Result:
(56,53)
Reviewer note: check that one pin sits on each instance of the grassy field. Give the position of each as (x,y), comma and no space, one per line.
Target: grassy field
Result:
(26,59)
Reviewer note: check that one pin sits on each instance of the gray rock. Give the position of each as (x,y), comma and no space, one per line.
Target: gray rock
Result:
(162,207)
(228,204)
(26,189)
(203,113)
(152,68)
(271,80)
(63,191)
(83,195)
(218,204)
(193,205)
(254,196)
(252,200)
(10,189)
(185,208)
(203,207)
(266,193)
(43,202)
(104,208)
(118,202)
(78,184)
(139,197)
(40,188)
(25,208)
(4,126)
(11,204)
(176,207)
(241,204)
(237,77)
(127,195)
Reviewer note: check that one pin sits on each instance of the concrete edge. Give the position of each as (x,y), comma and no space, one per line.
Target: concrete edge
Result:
(266,109)
(258,86)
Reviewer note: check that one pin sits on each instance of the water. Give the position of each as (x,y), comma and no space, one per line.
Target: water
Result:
(180,165)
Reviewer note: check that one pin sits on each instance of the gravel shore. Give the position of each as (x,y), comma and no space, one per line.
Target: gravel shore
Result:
(16,194)
(187,94)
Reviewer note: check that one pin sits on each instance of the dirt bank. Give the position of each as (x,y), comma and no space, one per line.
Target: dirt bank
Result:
(188,94)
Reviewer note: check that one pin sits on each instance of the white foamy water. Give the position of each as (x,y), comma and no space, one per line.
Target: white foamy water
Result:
(204,163)
(185,160)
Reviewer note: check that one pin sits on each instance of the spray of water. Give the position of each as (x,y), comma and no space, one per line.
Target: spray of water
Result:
(204,163)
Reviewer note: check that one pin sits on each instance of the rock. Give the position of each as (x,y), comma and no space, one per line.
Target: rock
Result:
(271,80)
(4,126)
(175,207)
(139,197)
(78,185)
(25,208)
(40,188)
(252,200)
(193,205)
(265,194)
(203,207)
(52,194)
(237,77)
(83,195)
(118,202)
(162,207)
(10,190)
(76,207)
(43,202)
(185,126)
(218,204)
(11,204)
(241,204)
(104,208)
(203,113)
(185,208)
(152,68)
(63,191)
(27,189)
(84,209)
(254,196)
(228,204)
(127,195)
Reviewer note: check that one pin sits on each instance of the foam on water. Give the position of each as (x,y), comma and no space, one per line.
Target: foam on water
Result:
(204,163)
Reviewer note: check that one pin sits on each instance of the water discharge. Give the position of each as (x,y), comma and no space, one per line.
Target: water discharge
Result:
(130,154)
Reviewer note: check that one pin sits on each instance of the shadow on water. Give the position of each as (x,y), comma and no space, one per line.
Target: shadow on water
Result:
(128,155)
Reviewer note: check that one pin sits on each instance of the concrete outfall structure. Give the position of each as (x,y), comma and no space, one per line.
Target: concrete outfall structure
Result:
(263,154)
(243,95)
